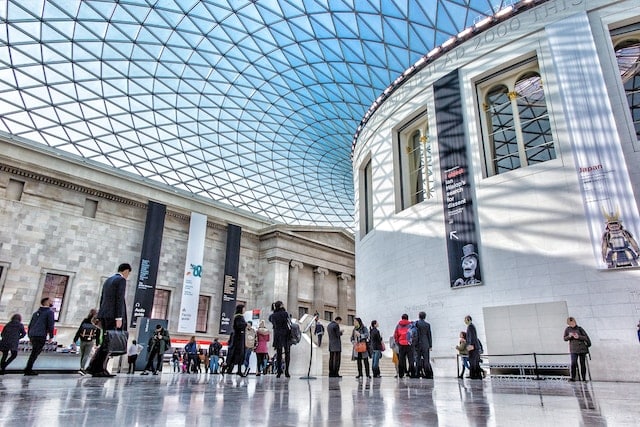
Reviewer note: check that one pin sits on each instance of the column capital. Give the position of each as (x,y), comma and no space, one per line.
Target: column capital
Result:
(296,264)
(321,270)
(344,276)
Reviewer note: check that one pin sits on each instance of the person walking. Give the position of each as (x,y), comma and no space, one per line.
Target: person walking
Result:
(423,346)
(191,355)
(132,356)
(262,347)
(335,347)
(112,315)
(214,356)
(473,349)
(87,333)
(12,333)
(159,342)
(405,352)
(360,339)
(462,351)
(41,325)
(377,347)
(237,342)
(579,343)
(249,345)
(318,330)
(280,320)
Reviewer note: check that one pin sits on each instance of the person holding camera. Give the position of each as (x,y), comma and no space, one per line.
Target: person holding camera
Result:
(158,344)
(280,321)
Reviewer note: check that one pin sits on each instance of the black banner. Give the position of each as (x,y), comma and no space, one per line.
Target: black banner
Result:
(149,260)
(230,289)
(459,215)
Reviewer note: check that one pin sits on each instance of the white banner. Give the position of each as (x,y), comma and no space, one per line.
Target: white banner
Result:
(192,274)
(607,195)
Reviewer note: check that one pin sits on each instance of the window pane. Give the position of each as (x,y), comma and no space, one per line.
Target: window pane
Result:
(415,159)
(203,313)
(55,286)
(628,56)
(368,198)
(534,119)
(502,135)
(160,304)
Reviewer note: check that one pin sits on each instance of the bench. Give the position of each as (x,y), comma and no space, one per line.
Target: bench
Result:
(529,370)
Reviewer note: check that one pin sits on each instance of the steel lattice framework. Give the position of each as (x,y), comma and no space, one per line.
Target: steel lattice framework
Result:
(249,103)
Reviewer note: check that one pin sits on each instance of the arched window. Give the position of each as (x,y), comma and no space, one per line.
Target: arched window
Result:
(415,162)
(517,126)
(628,57)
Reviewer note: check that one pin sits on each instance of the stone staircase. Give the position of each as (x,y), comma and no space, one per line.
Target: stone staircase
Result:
(348,367)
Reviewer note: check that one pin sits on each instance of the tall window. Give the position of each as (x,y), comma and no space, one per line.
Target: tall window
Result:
(302,311)
(160,308)
(203,313)
(628,57)
(366,216)
(517,126)
(415,161)
(55,286)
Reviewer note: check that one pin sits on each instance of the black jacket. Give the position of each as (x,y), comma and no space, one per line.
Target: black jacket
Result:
(11,335)
(42,323)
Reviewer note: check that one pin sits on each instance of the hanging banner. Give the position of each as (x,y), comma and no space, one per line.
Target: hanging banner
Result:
(607,195)
(231,264)
(192,274)
(459,215)
(149,260)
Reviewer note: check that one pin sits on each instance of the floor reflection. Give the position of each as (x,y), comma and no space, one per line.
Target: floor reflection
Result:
(181,400)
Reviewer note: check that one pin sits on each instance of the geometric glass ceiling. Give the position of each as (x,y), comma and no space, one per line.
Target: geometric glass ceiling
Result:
(250,103)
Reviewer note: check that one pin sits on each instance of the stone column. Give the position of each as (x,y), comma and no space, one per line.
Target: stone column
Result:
(294,273)
(343,298)
(318,290)
(276,281)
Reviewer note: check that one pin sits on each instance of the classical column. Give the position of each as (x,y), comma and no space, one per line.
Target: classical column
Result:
(276,279)
(343,298)
(292,301)
(318,290)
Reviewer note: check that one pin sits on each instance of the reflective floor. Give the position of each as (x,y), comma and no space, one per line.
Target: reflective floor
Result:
(202,400)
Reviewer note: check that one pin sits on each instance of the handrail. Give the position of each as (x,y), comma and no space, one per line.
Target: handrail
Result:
(536,366)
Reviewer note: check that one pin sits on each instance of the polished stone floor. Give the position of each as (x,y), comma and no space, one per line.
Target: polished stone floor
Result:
(213,400)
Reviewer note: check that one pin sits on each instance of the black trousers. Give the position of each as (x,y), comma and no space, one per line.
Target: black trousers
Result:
(37,344)
(287,359)
(475,372)
(583,365)
(405,357)
(5,362)
(100,358)
(155,354)
(334,363)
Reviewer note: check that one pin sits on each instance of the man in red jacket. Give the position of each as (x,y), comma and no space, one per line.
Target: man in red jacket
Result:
(405,352)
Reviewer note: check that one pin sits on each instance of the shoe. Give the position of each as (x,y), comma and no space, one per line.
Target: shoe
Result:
(287,375)
(30,373)
(359,376)
(278,375)
(155,373)
(369,376)
(82,372)
(144,373)
(257,374)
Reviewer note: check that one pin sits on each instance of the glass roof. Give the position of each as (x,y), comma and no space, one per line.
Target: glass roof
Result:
(250,103)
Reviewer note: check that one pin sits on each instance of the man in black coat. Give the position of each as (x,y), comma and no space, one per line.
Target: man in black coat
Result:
(280,321)
(473,348)
(112,315)
(41,326)
(423,346)
(335,346)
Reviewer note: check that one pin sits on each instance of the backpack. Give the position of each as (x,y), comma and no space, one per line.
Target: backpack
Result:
(87,332)
(412,334)
(294,333)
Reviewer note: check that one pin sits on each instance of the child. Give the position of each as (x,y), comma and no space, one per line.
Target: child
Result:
(462,351)
(11,335)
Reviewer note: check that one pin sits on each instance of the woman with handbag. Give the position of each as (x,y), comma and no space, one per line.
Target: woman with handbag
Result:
(360,340)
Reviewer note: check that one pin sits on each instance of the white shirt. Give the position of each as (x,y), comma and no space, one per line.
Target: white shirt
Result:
(134,349)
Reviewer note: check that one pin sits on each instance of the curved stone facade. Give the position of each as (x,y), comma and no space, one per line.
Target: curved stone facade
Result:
(541,224)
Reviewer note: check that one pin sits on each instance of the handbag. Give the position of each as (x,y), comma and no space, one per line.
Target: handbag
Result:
(117,342)
(382,347)
(360,347)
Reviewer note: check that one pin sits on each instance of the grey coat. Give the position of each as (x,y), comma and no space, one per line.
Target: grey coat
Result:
(334,333)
